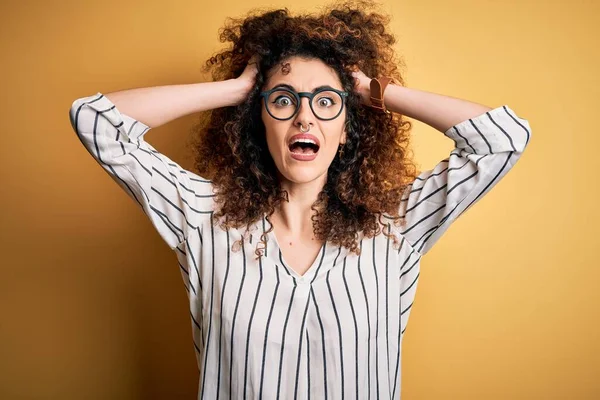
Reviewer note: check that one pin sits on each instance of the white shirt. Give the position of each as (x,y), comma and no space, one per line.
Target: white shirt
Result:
(262,331)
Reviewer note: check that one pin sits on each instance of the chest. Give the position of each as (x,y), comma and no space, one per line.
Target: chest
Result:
(299,254)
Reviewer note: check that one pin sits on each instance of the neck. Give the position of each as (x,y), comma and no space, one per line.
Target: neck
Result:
(294,216)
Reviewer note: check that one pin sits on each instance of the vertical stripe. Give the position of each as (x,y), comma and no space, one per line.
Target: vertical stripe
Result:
(339,326)
(308,364)
(362,282)
(190,256)
(356,360)
(300,348)
(287,318)
(387,315)
(376,319)
(221,316)
(246,366)
(212,292)
(237,303)
(324,360)
(262,371)
(399,347)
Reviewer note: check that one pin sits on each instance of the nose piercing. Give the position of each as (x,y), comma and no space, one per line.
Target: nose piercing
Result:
(302,130)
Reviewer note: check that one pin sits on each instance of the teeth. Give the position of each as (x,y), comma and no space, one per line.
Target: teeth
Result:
(303,141)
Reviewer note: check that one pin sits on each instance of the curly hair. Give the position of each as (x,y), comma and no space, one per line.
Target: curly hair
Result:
(365,181)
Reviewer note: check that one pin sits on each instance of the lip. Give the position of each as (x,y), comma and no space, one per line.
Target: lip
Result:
(303,157)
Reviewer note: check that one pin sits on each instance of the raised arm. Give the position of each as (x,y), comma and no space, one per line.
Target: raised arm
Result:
(157,105)
(488,142)
(112,128)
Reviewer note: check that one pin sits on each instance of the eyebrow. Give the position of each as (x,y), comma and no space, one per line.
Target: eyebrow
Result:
(285,85)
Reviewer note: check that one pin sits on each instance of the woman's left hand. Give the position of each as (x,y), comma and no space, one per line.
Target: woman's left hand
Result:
(362,86)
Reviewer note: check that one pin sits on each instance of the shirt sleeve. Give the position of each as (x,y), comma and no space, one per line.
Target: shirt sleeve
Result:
(486,148)
(174,199)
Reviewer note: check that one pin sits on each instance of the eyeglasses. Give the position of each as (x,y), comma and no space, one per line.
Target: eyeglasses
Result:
(282,103)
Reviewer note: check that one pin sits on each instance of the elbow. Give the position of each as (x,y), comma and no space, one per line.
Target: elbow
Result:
(524,136)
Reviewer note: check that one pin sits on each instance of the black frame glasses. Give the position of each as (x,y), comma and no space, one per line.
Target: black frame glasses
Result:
(298,96)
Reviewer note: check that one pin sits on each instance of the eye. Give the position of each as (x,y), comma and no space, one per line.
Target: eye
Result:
(283,101)
(325,102)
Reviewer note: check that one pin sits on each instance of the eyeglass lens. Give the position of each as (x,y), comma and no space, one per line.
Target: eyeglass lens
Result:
(282,104)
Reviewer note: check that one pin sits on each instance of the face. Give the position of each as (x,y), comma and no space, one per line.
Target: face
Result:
(303,75)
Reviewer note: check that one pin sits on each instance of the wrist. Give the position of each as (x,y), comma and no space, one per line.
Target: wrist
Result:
(240,87)
(365,92)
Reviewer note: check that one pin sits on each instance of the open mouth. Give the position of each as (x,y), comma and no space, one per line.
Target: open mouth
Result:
(304,147)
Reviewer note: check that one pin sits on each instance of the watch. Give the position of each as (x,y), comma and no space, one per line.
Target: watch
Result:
(377,89)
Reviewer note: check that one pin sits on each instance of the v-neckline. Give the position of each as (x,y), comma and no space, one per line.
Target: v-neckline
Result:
(326,256)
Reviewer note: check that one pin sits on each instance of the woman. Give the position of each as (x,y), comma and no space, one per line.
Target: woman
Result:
(301,253)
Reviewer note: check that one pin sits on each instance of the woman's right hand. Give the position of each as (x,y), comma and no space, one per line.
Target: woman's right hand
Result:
(248,77)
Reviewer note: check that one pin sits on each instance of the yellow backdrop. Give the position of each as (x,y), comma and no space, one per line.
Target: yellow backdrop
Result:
(92,305)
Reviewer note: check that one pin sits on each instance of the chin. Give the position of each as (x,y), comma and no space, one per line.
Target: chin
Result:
(300,177)
(301,174)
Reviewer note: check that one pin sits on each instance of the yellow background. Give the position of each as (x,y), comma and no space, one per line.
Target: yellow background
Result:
(92,305)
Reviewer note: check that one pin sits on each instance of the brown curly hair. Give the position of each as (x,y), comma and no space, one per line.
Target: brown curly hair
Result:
(365,181)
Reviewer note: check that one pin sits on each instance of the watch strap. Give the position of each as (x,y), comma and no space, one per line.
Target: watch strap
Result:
(377,87)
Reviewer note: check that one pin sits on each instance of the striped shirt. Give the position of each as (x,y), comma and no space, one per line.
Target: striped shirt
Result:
(262,331)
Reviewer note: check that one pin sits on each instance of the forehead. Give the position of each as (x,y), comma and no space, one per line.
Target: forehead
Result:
(303,74)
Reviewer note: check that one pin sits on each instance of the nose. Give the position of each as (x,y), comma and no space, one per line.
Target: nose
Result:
(304,113)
